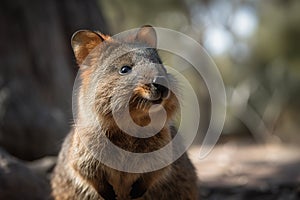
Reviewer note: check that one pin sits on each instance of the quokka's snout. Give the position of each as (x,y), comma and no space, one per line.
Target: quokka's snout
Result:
(156,91)
(161,85)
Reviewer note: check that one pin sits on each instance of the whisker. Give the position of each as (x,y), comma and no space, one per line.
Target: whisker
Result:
(145,105)
(134,99)
(141,105)
(139,102)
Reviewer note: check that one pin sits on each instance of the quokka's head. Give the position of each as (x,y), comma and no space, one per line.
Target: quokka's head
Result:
(119,73)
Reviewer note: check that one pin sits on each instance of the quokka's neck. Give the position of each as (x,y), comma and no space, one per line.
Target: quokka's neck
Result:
(97,134)
(94,128)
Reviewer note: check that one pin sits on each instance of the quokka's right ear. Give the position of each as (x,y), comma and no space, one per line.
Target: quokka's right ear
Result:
(147,34)
(84,41)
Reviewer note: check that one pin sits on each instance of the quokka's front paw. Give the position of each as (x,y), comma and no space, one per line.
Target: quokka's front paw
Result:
(138,189)
(107,192)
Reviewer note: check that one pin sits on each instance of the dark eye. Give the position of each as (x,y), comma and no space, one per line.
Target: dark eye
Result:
(125,70)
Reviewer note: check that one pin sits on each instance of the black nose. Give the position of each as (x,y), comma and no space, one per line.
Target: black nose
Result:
(162,85)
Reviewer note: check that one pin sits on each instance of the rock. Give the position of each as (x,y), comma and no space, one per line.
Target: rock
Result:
(18,182)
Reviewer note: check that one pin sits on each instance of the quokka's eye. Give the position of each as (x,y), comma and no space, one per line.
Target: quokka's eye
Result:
(125,70)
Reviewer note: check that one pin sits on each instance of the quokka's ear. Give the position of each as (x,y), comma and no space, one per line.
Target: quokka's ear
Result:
(83,42)
(147,34)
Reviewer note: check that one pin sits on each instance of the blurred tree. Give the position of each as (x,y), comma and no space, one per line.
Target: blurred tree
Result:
(255,44)
(134,13)
(37,71)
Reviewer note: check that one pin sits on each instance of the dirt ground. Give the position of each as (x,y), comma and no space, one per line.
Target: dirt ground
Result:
(248,172)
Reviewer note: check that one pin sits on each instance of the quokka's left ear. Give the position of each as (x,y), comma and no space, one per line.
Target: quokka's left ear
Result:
(147,34)
(84,41)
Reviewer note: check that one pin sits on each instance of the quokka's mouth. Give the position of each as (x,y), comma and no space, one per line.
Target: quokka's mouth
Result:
(147,95)
(154,98)
(140,102)
(159,101)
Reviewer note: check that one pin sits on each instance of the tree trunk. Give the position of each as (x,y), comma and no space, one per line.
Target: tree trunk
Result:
(37,70)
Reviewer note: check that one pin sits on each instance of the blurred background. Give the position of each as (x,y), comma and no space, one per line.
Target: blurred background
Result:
(255,44)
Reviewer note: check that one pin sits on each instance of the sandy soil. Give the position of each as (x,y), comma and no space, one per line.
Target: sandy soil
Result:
(237,172)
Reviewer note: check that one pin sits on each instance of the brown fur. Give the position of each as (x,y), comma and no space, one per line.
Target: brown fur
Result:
(78,174)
